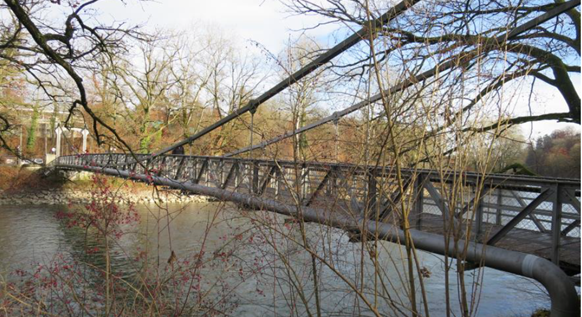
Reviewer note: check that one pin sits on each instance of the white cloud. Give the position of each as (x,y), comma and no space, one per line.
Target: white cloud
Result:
(263,21)
(546,99)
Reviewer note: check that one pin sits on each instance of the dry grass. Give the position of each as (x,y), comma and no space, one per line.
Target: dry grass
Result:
(14,179)
(541,313)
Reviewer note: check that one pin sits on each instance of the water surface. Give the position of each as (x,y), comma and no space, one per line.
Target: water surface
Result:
(32,235)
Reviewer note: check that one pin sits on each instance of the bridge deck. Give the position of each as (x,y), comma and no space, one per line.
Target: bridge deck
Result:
(521,240)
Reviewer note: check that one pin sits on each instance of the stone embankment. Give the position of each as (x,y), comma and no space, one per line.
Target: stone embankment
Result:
(68,196)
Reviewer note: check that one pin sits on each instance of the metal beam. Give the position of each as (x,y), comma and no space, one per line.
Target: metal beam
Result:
(319,188)
(439,201)
(556,224)
(266,180)
(202,170)
(372,191)
(418,197)
(531,216)
(233,170)
(573,200)
(394,200)
(179,169)
(255,178)
(570,227)
(161,165)
(520,216)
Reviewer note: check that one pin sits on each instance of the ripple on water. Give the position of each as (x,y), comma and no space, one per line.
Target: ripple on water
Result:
(31,234)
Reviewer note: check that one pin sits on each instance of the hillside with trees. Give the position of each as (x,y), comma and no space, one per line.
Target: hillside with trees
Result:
(556,154)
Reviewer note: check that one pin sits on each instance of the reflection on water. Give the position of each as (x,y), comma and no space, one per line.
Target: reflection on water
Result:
(30,235)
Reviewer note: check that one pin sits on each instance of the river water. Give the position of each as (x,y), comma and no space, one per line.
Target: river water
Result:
(264,261)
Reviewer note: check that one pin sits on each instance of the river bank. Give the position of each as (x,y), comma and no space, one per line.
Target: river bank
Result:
(63,196)
(31,187)
(34,234)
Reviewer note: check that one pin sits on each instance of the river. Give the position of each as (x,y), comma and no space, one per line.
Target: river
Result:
(254,262)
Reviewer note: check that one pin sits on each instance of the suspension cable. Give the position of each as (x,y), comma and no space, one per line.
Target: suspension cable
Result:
(452,62)
(298,75)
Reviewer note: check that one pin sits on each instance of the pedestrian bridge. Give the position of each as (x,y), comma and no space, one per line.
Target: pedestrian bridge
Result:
(532,215)
(507,222)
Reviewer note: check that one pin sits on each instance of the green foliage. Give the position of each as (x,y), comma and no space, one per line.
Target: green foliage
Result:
(541,313)
(144,144)
(518,169)
(31,139)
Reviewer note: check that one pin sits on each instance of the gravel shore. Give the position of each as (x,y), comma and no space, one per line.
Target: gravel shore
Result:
(68,196)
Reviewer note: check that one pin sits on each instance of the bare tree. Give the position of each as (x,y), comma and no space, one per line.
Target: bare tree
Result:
(142,83)
(54,55)
(435,32)
(232,75)
(301,98)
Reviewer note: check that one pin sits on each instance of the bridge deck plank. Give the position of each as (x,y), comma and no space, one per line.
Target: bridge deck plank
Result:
(521,240)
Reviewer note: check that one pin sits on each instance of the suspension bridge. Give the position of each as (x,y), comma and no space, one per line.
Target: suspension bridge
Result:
(534,215)
(523,225)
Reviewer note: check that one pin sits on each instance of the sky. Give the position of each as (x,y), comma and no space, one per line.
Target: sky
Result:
(267,22)
(271,24)
(545,99)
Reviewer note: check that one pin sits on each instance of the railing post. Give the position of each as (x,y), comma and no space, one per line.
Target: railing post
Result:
(499,210)
(479,213)
(418,200)
(278,175)
(221,174)
(179,169)
(255,180)
(556,223)
(372,191)
(331,184)
(302,178)
(236,172)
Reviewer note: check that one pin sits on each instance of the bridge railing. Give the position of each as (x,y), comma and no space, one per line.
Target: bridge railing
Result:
(494,207)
